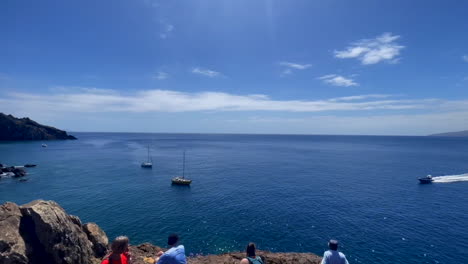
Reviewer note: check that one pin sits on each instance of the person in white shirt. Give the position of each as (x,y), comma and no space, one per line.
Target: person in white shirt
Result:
(332,256)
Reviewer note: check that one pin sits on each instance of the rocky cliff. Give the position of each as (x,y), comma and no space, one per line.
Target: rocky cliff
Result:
(42,232)
(12,128)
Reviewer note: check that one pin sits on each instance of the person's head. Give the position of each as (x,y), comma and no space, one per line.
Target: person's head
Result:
(250,250)
(333,244)
(172,240)
(120,245)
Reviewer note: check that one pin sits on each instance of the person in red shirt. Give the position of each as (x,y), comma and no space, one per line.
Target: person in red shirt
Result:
(119,252)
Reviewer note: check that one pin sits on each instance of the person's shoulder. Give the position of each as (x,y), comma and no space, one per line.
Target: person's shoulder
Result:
(327,253)
(181,247)
(342,255)
(245,261)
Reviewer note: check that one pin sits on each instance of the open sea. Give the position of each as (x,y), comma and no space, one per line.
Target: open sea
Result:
(284,192)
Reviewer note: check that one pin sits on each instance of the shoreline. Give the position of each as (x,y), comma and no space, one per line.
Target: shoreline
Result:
(42,232)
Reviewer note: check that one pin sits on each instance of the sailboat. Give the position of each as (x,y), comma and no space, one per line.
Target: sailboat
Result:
(148,163)
(182,180)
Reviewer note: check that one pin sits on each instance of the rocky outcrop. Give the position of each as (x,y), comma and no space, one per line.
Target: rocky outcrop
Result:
(12,128)
(12,245)
(41,232)
(98,238)
(144,254)
(62,239)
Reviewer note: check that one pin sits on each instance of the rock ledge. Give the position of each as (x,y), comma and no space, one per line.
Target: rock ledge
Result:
(42,232)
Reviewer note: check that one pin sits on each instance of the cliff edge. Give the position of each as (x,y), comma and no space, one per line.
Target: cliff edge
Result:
(42,232)
(12,128)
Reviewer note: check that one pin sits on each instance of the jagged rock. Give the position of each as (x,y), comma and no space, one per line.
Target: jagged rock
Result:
(8,169)
(19,172)
(12,245)
(62,241)
(268,257)
(41,232)
(76,220)
(98,238)
(145,253)
(26,129)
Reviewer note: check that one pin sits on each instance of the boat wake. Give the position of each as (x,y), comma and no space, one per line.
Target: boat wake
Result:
(451,178)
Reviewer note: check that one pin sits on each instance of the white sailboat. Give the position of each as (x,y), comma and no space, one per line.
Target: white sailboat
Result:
(182,180)
(149,162)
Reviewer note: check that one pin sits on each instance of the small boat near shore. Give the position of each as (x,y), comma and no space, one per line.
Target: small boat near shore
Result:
(181,180)
(427,179)
(44,145)
(30,165)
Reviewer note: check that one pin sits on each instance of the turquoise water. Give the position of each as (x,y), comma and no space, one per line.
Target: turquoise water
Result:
(287,193)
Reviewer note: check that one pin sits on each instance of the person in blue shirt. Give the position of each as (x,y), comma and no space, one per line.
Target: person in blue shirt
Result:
(175,254)
(332,256)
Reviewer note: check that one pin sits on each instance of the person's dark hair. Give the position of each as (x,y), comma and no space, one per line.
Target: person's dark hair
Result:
(250,250)
(172,239)
(333,244)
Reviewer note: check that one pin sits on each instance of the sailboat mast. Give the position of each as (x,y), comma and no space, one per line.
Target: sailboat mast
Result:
(148,154)
(183,168)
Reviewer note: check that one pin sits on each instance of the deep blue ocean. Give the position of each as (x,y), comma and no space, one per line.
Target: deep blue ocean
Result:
(284,192)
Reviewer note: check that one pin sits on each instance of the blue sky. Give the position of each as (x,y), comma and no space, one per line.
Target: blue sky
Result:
(307,67)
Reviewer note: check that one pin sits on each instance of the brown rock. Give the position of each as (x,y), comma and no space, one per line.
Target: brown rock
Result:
(12,245)
(144,253)
(60,240)
(268,257)
(98,238)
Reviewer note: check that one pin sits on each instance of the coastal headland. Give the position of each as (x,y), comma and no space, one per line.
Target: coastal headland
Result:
(42,232)
(13,128)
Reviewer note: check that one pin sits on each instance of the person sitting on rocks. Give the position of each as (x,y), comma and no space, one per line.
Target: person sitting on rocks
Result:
(119,252)
(332,256)
(251,257)
(174,255)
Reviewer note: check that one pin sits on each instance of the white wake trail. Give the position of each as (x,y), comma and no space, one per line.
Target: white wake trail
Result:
(451,178)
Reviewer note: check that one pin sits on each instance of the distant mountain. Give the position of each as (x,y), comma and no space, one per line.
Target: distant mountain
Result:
(12,128)
(463,133)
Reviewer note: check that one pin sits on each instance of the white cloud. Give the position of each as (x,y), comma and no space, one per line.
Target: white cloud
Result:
(160,75)
(378,124)
(372,51)
(296,66)
(360,97)
(167,29)
(206,72)
(289,67)
(338,80)
(465,58)
(80,89)
(95,100)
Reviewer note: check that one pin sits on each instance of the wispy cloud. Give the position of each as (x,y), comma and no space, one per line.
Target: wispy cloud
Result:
(289,67)
(99,100)
(166,30)
(360,97)
(296,66)
(372,51)
(80,89)
(338,80)
(206,72)
(465,58)
(160,75)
